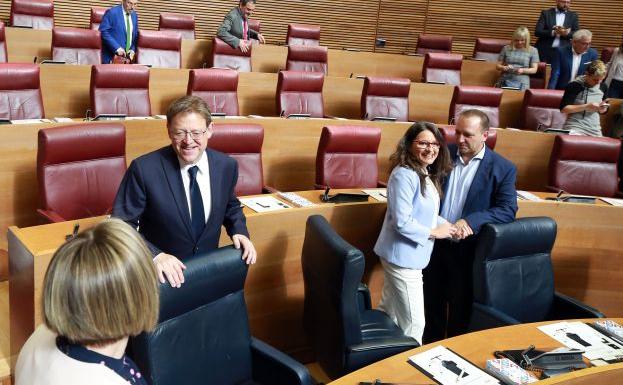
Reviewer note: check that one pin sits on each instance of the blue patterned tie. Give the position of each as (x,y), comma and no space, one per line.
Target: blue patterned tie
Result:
(196,203)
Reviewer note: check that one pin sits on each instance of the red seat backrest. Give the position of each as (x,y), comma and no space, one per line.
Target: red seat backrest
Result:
(38,14)
(538,79)
(218,87)
(303,34)
(224,56)
(255,25)
(307,58)
(489,49)
(385,97)
(300,93)
(486,99)
(76,45)
(606,54)
(442,67)
(3,52)
(159,48)
(97,13)
(433,43)
(120,89)
(541,110)
(20,93)
(176,22)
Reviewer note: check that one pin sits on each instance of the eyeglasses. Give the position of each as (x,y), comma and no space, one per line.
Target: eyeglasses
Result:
(422,144)
(195,134)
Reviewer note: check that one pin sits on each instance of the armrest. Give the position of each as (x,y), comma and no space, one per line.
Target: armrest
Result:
(565,307)
(363,297)
(269,190)
(51,216)
(403,343)
(381,184)
(486,317)
(270,366)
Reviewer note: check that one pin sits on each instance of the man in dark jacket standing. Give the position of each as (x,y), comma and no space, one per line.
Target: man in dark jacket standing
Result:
(555,28)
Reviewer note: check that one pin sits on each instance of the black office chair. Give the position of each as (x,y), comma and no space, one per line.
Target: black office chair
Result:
(202,336)
(345,333)
(514,278)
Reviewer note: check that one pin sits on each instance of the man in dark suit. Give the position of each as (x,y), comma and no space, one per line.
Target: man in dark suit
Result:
(479,190)
(571,61)
(119,31)
(555,28)
(235,29)
(180,195)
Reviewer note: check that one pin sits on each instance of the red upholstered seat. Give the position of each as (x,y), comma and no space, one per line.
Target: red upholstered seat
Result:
(176,22)
(433,43)
(303,34)
(224,56)
(442,67)
(159,49)
(385,97)
(300,93)
(486,99)
(489,49)
(347,157)
(307,58)
(255,25)
(3,53)
(79,168)
(541,110)
(449,135)
(96,17)
(20,94)
(537,81)
(218,87)
(38,14)
(120,89)
(76,45)
(606,54)
(242,142)
(584,165)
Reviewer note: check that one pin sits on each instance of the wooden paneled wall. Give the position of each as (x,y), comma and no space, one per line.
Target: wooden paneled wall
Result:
(348,24)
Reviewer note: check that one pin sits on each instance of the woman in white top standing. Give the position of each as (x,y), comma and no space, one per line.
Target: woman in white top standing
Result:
(99,289)
(412,223)
(614,80)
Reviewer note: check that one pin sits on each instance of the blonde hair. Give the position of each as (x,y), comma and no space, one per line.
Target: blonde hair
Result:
(521,33)
(596,68)
(101,286)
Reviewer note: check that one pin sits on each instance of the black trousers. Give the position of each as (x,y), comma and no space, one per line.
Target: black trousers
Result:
(448,289)
(616,89)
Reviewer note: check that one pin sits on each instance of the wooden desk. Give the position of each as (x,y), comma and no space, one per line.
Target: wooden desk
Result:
(587,265)
(478,347)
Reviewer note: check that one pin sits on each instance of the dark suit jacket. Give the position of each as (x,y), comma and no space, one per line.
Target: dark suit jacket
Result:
(562,62)
(112,30)
(230,30)
(492,197)
(152,198)
(544,27)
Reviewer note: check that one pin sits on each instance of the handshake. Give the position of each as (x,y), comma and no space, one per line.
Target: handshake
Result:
(456,231)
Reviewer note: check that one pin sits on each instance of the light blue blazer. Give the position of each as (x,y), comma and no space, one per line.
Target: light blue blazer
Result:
(404,238)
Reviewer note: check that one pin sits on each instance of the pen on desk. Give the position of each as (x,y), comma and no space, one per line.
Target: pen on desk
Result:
(460,375)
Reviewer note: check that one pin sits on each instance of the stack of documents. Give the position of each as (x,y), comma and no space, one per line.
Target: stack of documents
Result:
(509,372)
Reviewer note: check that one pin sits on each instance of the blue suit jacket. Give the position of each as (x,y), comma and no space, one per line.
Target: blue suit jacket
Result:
(112,29)
(562,61)
(152,197)
(492,197)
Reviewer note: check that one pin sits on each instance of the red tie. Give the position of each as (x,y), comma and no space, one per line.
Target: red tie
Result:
(245,29)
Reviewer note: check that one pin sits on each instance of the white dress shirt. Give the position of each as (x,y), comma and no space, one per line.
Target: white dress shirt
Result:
(460,181)
(560,20)
(577,60)
(203,180)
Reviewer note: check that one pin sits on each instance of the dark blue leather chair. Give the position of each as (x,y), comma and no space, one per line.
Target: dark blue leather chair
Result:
(514,278)
(202,336)
(345,333)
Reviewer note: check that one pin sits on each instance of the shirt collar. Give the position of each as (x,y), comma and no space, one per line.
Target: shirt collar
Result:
(202,163)
(479,156)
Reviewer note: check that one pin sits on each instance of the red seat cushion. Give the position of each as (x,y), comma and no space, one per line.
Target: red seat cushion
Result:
(38,14)
(585,165)
(385,97)
(80,167)
(218,87)
(20,95)
(120,89)
(449,135)
(433,43)
(347,157)
(489,49)
(97,13)
(442,67)
(159,48)
(303,34)
(541,110)
(76,46)
(486,99)
(176,22)
(307,58)
(300,93)
(242,142)
(224,56)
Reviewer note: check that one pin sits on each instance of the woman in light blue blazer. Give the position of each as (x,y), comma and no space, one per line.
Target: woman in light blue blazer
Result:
(412,223)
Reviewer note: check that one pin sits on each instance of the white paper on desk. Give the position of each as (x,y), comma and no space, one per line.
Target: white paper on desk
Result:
(164,117)
(444,366)
(30,121)
(63,120)
(578,335)
(380,194)
(263,204)
(528,196)
(138,118)
(613,201)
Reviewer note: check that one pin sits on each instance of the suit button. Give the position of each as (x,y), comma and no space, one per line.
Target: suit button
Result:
(195,249)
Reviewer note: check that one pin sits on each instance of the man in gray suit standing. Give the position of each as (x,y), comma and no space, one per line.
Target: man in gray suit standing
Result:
(235,29)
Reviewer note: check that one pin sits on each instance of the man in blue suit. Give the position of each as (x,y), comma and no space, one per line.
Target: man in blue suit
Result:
(479,190)
(180,195)
(571,61)
(119,31)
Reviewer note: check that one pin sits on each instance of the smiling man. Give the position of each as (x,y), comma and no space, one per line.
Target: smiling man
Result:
(235,29)
(180,195)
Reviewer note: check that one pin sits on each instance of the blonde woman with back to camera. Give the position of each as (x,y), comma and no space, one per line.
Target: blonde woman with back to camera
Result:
(99,289)
(412,223)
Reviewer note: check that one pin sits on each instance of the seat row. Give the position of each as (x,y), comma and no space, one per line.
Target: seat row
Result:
(71,157)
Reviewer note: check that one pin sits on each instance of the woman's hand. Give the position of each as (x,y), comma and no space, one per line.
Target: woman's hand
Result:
(444,230)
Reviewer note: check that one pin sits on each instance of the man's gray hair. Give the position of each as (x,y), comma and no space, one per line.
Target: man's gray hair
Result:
(582,33)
